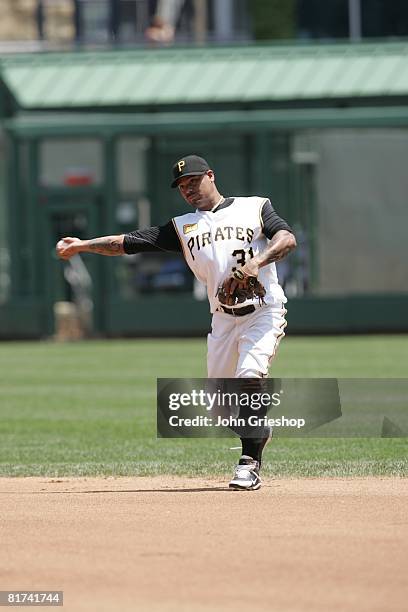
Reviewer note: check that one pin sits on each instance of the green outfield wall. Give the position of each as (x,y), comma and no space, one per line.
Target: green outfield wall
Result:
(186,317)
(81,157)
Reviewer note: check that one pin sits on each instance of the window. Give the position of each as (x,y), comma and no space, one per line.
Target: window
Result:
(70,162)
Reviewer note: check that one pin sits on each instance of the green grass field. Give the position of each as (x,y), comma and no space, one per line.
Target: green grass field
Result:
(89,408)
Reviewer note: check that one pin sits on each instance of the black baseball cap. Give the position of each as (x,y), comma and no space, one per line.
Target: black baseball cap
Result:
(191,165)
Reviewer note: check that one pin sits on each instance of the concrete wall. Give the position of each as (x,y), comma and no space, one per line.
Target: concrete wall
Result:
(18,20)
(361,184)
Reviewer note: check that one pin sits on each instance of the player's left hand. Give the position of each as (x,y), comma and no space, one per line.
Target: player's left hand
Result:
(239,287)
(239,277)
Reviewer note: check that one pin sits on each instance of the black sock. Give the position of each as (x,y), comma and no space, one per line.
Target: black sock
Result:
(254,447)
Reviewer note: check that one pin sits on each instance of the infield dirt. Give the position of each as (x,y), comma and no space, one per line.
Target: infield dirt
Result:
(181,544)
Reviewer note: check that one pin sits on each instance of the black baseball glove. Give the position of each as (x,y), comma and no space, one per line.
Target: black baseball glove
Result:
(240,287)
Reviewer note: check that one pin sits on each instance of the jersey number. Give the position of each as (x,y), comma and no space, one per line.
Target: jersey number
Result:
(241,256)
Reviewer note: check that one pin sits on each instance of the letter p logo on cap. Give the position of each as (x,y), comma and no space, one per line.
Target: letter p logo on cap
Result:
(190,165)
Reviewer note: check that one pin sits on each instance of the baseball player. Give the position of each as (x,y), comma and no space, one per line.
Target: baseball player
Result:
(230,244)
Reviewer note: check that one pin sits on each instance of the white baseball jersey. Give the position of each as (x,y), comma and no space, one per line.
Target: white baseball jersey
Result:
(216,243)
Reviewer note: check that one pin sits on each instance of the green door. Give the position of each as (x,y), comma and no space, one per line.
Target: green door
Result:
(81,277)
(305,223)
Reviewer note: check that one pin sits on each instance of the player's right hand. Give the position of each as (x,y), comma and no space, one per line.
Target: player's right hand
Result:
(67,247)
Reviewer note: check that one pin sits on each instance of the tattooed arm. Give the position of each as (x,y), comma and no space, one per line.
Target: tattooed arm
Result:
(106,245)
(282,243)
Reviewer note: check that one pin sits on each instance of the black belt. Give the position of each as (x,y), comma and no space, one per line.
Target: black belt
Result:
(238,312)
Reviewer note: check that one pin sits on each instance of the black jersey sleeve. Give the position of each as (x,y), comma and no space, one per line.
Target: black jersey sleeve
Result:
(271,221)
(160,238)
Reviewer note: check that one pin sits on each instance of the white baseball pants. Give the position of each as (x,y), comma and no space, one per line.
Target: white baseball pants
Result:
(242,347)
